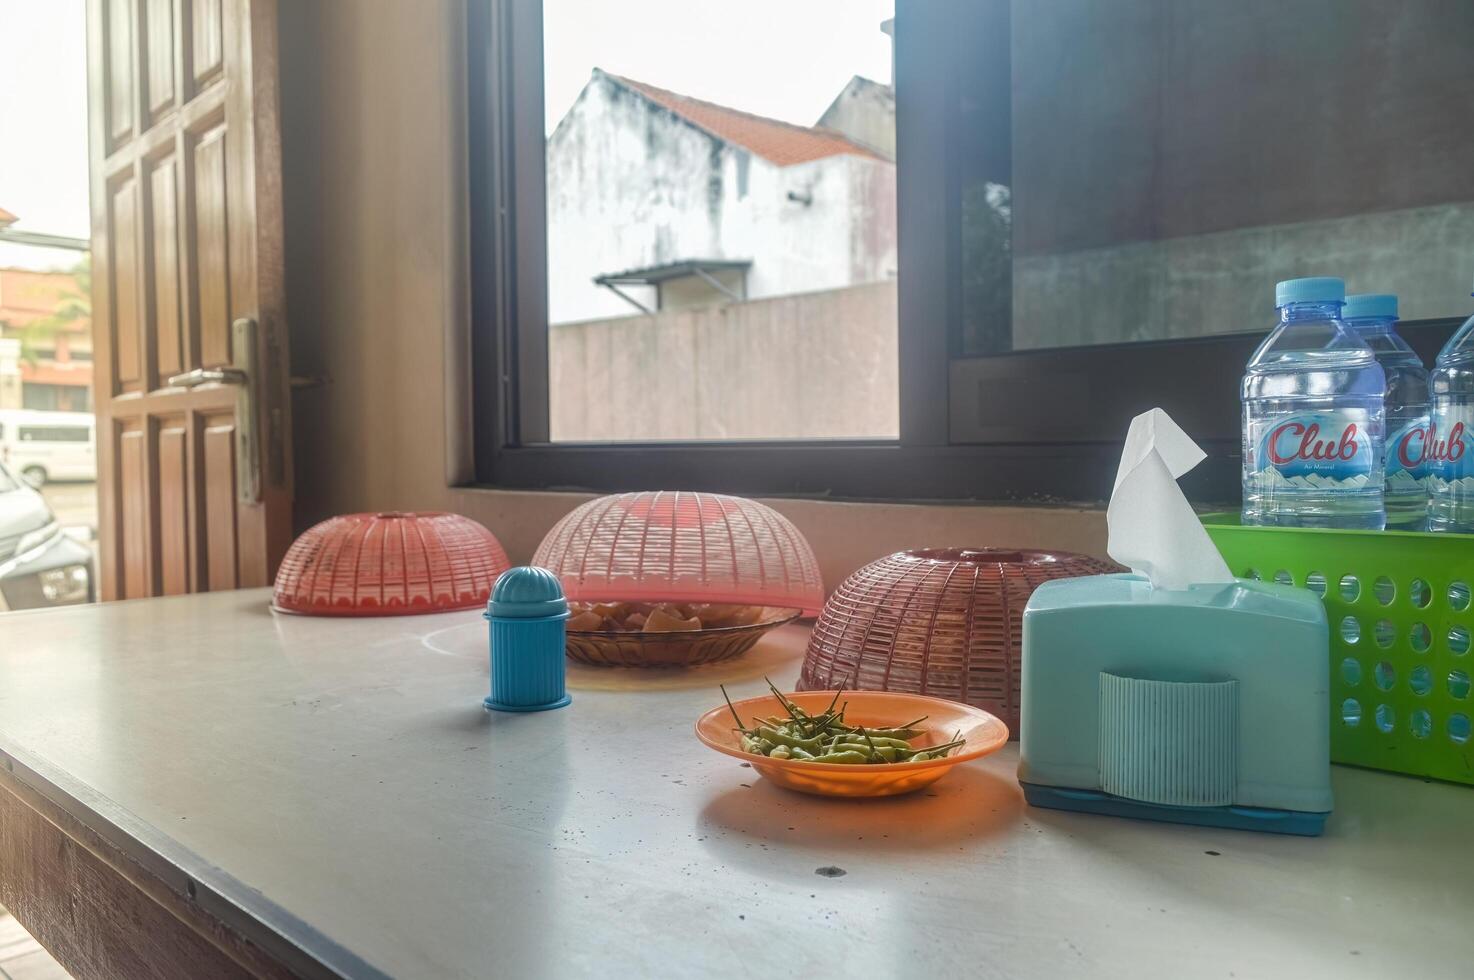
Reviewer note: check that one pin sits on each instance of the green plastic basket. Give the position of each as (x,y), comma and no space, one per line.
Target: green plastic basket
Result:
(1399,608)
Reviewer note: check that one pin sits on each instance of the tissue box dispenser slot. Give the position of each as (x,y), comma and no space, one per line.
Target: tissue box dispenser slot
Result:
(1206,705)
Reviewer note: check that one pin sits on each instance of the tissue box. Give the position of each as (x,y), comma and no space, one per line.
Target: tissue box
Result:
(1205,705)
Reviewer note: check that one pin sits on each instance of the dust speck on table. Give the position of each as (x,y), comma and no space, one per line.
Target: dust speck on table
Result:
(830,871)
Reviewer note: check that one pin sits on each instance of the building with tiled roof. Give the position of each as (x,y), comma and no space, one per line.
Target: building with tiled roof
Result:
(658,201)
(775,141)
(45,341)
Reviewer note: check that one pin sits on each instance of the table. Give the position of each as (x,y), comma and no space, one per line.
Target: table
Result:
(196,786)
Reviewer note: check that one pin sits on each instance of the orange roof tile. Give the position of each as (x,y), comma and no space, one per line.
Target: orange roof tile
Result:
(780,142)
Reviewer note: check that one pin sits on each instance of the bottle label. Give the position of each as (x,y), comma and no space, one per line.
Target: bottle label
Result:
(1407,456)
(1450,446)
(1329,450)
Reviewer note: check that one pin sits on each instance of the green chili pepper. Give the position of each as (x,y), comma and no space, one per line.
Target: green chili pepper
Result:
(844,758)
(780,737)
(900,734)
(870,737)
(880,753)
(735,717)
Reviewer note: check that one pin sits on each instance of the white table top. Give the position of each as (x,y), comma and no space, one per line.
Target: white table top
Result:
(340,779)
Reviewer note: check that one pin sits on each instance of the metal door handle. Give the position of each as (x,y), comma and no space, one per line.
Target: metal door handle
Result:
(243,373)
(200,376)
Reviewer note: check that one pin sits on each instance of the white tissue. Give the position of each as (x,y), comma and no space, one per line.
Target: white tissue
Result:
(1151,527)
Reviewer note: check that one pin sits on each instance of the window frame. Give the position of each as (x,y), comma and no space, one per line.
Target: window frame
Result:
(968,443)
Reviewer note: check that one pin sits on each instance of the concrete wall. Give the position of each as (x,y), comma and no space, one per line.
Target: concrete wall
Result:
(377,264)
(1223,282)
(631,185)
(814,365)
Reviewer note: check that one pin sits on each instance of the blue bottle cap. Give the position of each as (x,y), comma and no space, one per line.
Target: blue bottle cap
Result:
(1316,289)
(527,592)
(1359,305)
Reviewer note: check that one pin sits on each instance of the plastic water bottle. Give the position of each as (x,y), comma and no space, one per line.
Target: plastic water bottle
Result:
(1313,417)
(1373,318)
(1451,442)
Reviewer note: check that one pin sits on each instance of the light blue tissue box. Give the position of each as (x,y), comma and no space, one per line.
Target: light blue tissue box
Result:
(1207,705)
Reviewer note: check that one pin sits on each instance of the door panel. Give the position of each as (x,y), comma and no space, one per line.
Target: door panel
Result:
(158,33)
(124,278)
(164,260)
(119,39)
(187,241)
(211,255)
(173,506)
(205,41)
(132,492)
(220,534)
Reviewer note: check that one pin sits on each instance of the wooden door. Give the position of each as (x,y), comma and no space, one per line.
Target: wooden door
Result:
(194,479)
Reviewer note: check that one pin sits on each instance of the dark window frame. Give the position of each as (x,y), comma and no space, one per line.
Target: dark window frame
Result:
(1064,448)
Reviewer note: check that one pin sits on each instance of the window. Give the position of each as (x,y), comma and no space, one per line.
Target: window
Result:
(43,397)
(721,229)
(53,433)
(1092,205)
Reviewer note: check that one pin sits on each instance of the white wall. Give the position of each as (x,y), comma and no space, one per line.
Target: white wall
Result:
(10,383)
(631,185)
(865,111)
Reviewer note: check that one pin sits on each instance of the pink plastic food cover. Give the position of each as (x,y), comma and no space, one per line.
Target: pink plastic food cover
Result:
(682,546)
(389,564)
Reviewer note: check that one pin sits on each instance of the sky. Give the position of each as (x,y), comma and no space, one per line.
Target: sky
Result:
(43,125)
(782,58)
(786,59)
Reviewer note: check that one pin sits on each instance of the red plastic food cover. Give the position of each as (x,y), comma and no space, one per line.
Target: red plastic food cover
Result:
(682,546)
(946,622)
(389,564)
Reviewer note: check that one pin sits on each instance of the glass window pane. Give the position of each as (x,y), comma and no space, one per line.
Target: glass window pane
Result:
(1169,162)
(721,220)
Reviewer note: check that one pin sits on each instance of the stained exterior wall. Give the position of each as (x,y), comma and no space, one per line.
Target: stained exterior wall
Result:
(814,365)
(865,111)
(632,185)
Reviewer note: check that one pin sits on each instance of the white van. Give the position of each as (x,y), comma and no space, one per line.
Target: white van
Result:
(46,446)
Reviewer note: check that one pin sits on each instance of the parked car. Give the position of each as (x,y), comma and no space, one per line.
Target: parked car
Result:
(46,446)
(40,565)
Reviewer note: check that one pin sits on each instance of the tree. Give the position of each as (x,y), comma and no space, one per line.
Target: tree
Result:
(72,306)
(987,268)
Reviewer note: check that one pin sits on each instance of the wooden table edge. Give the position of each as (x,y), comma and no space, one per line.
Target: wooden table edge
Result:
(109,895)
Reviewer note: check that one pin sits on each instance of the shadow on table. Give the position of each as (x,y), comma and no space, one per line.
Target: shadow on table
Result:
(970,804)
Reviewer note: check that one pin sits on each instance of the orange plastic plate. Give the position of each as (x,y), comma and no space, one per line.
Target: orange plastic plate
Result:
(984,733)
